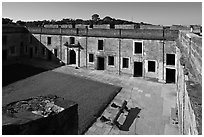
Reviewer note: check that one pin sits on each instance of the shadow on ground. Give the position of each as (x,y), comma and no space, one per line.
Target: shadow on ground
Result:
(15,72)
(133,113)
(92,97)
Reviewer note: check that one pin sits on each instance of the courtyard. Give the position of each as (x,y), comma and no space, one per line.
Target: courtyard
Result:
(91,96)
(95,91)
(156,101)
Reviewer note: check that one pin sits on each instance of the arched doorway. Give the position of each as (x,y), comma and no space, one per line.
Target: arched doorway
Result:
(72,57)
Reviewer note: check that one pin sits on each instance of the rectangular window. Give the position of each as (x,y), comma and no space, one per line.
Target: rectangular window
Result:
(151,66)
(91,58)
(4,40)
(111,60)
(170,59)
(137,48)
(36,49)
(13,50)
(125,63)
(43,51)
(100,44)
(22,44)
(72,40)
(48,40)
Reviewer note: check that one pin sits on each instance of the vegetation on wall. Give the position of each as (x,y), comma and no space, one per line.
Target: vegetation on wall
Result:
(95,19)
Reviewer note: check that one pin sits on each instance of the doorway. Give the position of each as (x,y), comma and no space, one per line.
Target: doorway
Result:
(55,52)
(100,63)
(170,75)
(4,55)
(31,52)
(72,57)
(137,69)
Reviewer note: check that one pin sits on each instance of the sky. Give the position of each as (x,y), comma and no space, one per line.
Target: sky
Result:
(161,13)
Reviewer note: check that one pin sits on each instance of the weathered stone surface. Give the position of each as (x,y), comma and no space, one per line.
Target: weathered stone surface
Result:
(49,118)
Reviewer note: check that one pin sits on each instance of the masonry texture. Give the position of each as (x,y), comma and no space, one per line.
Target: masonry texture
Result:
(117,43)
(153,52)
(24,122)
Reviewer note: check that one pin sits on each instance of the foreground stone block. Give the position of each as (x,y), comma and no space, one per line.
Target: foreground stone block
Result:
(43,115)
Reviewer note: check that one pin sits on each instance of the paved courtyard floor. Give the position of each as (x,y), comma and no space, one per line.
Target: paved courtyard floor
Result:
(153,100)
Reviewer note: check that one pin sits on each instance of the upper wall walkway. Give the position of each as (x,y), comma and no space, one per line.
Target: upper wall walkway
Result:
(149,34)
(146,34)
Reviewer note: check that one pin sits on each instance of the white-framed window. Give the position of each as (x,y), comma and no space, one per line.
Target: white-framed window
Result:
(151,66)
(111,60)
(91,57)
(137,47)
(100,45)
(125,62)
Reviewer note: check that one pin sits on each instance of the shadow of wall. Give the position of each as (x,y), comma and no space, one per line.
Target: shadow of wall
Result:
(37,54)
(24,122)
(31,56)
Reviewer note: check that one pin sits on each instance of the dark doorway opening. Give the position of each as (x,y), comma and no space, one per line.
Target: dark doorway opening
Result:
(55,52)
(4,55)
(72,57)
(49,55)
(137,69)
(170,75)
(31,52)
(100,63)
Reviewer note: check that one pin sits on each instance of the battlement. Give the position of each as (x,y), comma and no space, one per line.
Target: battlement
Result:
(149,34)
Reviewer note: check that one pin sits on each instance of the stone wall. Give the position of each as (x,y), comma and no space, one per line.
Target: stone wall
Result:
(62,123)
(148,34)
(116,47)
(104,26)
(191,45)
(127,26)
(151,27)
(186,115)
(14,41)
(117,43)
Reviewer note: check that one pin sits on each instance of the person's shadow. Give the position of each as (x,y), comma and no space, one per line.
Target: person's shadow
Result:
(133,113)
